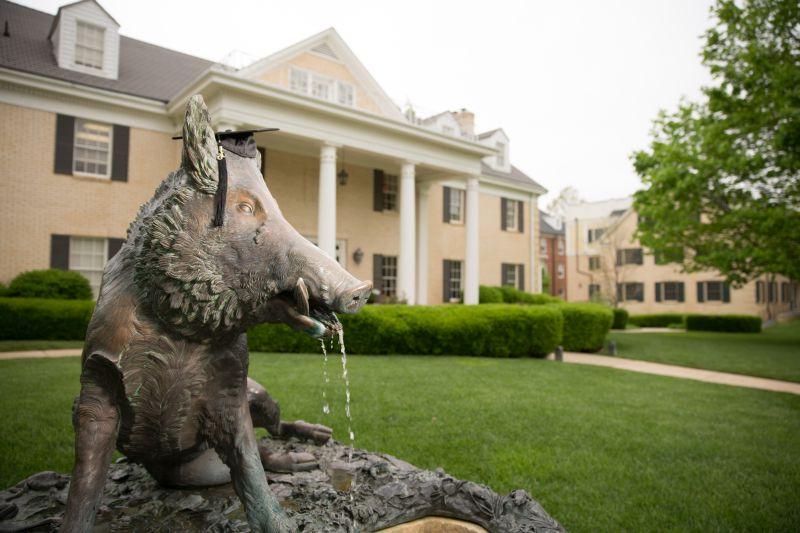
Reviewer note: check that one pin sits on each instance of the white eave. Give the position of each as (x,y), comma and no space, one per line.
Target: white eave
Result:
(216,79)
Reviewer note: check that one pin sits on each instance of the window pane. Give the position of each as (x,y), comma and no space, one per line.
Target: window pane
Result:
(389,274)
(344,93)
(298,81)
(88,256)
(89,45)
(714,290)
(389,192)
(92,148)
(322,87)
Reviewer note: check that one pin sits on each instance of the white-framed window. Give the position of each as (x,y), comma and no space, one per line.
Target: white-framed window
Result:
(89,44)
(322,87)
(389,276)
(501,156)
(92,150)
(594,234)
(512,275)
(594,262)
(345,94)
(456,207)
(88,255)
(672,291)
(543,247)
(630,292)
(299,80)
(714,291)
(594,291)
(630,256)
(560,270)
(389,192)
(560,246)
(452,281)
(511,215)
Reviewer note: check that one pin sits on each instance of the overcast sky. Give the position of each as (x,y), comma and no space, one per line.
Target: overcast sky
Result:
(575,85)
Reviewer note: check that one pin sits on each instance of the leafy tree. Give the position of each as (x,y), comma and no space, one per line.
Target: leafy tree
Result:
(722,176)
(568,195)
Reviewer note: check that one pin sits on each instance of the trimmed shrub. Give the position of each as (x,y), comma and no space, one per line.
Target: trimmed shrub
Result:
(491,330)
(490,295)
(659,320)
(52,283)
(585,326)
(727,323)
(620,318)
(44,319)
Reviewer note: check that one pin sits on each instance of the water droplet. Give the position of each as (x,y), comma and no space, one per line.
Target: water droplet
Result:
(326,409)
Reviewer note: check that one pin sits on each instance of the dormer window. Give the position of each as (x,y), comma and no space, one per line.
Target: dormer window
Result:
(322,87)
(501,157)
(89,45)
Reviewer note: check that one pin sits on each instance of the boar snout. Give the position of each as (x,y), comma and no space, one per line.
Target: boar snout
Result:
(352,299)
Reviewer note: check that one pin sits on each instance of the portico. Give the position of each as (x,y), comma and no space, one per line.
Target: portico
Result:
(413,157)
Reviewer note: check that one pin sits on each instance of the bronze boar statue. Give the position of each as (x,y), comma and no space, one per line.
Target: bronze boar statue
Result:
(164,367)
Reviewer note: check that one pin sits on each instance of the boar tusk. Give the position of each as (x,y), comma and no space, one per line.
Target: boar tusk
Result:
(301,297)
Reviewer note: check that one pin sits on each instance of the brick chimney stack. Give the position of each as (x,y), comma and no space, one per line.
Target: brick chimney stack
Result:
(466,121)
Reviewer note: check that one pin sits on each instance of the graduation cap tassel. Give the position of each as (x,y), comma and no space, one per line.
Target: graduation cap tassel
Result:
(222,189)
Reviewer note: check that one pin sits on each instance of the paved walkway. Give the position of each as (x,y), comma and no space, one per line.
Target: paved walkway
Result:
(684,372)
(40,353)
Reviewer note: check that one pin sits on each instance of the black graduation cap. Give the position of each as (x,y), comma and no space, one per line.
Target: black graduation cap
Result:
(241,143)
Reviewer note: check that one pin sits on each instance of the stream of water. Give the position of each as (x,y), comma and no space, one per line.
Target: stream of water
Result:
(326,408)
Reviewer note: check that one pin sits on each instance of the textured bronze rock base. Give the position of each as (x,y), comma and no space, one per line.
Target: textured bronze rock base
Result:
(384,492)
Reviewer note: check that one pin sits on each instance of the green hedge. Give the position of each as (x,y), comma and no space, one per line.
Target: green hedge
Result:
(620,318)
(510,295)
(490,330)
(727,323)
(490,295)
(659,320)
(44,319)
(585,326)
(51,283)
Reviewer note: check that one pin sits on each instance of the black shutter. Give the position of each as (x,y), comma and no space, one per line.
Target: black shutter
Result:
(119,153)
(639,256)
(726,293)
(65,140)
(681,293)
(700,295)
(640,292)
(446,192)
(658,291)
(521,216)
(619,292)
(59,252)
(503,274)
(758,292)
(589,235)
(619,257)
(503,207)
(263,152)
(521,277)
(377,272)
(446,281)
(377,192)
(113,246)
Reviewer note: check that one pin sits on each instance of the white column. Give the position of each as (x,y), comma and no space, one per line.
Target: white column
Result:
(471,269)
(326,211)
(535,274)
(423,191)
(406,263)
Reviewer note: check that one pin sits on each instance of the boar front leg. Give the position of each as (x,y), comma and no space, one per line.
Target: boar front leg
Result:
(239,451)
(96,419)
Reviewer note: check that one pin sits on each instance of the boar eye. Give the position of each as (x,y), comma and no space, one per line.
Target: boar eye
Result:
(245,208)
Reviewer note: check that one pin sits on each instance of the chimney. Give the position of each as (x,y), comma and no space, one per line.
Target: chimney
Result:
(466,121)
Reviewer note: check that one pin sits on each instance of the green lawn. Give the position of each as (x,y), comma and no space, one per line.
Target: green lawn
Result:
(774,353)
(603,450)
(18,346)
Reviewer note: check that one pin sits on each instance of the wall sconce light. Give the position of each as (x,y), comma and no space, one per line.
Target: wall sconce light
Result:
(358,255)
(342,175)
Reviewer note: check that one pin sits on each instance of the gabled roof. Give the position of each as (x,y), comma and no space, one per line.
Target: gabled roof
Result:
(516,177)
(329,42)
(489,133)
(145,70)
(546,228)
(67,6)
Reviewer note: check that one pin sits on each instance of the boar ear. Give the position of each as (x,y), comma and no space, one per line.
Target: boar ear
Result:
(199,146)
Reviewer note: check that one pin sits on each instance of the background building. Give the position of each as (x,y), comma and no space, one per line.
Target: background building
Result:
(427,208)
(606,262)
(553,253)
